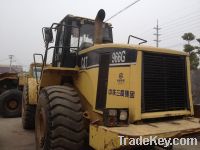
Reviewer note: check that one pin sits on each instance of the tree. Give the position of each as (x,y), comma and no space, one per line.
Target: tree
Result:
(193,51)
(197,47)
(188,48)
(194,61)
(188,37)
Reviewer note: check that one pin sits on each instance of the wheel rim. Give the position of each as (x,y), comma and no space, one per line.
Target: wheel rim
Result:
(12,104)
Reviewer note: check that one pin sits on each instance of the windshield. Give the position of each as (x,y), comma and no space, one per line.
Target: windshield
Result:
(82,35)
(87,34)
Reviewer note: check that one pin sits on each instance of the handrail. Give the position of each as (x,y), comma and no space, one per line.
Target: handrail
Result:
(143,40)
(34,55)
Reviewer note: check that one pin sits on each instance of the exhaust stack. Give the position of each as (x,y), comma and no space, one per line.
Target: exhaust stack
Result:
(98,33)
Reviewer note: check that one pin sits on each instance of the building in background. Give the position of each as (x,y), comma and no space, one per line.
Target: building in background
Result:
(12,69)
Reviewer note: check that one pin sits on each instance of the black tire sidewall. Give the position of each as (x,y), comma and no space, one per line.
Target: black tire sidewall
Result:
(63,101)
(42,106)
(28,111)
(6,97)
(24,99)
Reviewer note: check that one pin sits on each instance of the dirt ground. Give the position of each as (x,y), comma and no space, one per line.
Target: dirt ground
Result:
(13,137)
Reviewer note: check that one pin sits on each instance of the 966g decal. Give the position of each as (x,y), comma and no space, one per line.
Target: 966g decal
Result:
(117,57)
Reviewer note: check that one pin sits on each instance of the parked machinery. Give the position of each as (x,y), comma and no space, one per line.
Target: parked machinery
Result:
(96,90)
(30,96)
(10,95)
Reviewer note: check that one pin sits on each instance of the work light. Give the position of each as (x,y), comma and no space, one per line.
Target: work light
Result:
(114,117)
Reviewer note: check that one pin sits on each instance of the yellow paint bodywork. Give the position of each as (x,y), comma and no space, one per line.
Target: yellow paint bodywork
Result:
(118,101)
(189,84)
(165,114)
(22,79)
(31,82)
(86,82)
(54,76)
(32,91)
(135,85)
(105,138)
(136,47)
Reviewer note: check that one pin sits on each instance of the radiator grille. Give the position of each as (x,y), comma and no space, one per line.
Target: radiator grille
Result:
(164,82)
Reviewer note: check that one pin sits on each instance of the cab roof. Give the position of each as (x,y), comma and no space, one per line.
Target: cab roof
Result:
(78,18)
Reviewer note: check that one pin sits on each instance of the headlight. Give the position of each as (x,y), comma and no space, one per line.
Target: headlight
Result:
(113,117)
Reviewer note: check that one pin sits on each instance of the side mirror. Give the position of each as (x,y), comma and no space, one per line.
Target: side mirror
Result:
(48,35)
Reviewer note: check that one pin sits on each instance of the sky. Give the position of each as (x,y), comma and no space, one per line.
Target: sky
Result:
(22,21)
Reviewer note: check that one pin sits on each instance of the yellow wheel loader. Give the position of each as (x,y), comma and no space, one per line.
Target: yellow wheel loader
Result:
(96,91)
(29,96)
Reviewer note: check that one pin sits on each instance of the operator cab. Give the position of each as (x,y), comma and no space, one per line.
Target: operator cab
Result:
(75,34)
(37,71)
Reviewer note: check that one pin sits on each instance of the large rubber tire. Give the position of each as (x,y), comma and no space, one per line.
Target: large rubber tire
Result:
(10,103)
(59,120)
(28,111)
